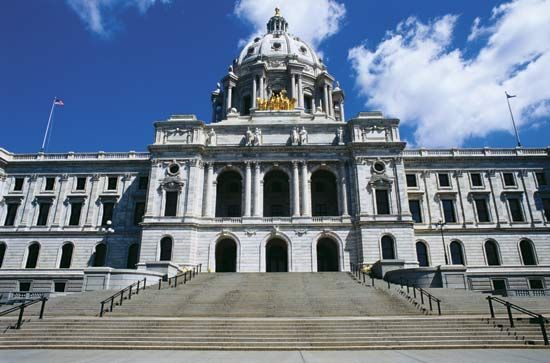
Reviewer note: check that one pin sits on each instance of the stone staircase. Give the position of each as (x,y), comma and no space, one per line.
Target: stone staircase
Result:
(255,311)
(269,334)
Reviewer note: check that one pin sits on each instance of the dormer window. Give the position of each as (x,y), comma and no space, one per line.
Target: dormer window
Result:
(250,50)
(303,49)
(276,46)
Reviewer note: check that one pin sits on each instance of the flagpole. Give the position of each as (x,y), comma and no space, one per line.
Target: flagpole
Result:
(48,125)
(512,116)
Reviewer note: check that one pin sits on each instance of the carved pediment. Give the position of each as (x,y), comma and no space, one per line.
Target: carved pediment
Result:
(172,183)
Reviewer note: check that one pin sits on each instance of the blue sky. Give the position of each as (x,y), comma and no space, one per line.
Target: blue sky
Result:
(441,71)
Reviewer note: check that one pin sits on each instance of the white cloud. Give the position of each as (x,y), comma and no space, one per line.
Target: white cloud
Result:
(98,15)
(416,75)
(311,20)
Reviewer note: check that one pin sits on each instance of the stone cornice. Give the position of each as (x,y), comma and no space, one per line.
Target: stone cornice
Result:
(423,154)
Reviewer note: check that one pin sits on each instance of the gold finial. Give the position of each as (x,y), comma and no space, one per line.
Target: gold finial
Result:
(277,11)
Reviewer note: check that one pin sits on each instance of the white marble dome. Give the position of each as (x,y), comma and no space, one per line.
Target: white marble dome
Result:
(278,43)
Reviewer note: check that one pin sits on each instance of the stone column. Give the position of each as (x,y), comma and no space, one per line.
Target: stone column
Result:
(262,87)
(343,191)
(254,91)
(207,209)
(229,96)
(300,92)
(306,198)
(295,190)
(292,86)
(325,98)
(248,191)
(257,197)
(342,114)
(330,105)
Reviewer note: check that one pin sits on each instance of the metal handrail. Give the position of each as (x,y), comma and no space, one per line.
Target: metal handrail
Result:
(21,309)
(423,293)
(131,291)
(509,306)
(173,281)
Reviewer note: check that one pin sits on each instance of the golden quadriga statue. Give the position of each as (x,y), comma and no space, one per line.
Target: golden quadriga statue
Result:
(277,102)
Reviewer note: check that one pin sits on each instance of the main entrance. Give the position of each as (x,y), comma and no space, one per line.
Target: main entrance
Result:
(226,256)
(327,255)
(276,256)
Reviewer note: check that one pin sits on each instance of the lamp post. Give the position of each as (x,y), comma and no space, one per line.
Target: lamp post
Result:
(107,230)
(440,225)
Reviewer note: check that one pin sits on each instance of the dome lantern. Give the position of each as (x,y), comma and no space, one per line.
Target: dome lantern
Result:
(277,24)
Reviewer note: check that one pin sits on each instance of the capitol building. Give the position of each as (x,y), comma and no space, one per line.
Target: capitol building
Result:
(280,179)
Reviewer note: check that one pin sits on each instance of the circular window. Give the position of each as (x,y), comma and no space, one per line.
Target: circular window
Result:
(303,49)
(379,166)
(173,169)
(250,50)
(277,45)
(256,40)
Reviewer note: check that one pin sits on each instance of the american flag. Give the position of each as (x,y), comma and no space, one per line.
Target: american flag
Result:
(58,102)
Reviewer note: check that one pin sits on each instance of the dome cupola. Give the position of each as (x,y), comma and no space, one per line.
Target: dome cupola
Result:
(277,24)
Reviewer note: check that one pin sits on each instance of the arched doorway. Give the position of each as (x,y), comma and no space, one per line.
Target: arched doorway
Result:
(229,195)
(226,256)
(327,255)
(276,256)
(276,194)
(324,194)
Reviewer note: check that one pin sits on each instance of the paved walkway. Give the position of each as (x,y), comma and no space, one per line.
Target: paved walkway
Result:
(380,356)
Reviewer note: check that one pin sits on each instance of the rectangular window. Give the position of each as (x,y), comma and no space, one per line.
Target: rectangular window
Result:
(499,285)
(25,286)
(143,182)
(536,284)
(546,207)
(382,201)
(414,206)
(477,180)
(112,183)
(50,184)
(12,213)
(18,185)
(59,286)
(411,181)
(171,207)
(81,183)
(509,180)
(139,212)
(449,210)
(76,210)
(482,210)
(515,209)
(108,208)
(444,180)
(43,213)
(541,178)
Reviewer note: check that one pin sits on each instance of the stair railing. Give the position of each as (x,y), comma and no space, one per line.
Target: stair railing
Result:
(125,293)
(424,295)
(184,277)
(21,309)
(509,306)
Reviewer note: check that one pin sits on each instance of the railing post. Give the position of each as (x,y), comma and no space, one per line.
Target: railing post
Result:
(414,291)
(160,282)
(21,311)
(543,330)
(438,307)
(112,304)
(200,267)
(185,278)
(130,293)
(372,280)
(42,307)
(101,311)
(510,315)
(422,296)
(144,282)
(388,281)
(430,300)
(176,281)
(362,273)
(407,287)
(121,297)
(137,291)
(492,311)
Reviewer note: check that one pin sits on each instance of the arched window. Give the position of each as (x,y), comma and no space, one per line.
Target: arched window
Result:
(66,255)
(2,253)
(324,193)
(166,249)
(32,255)
(491,251)
(100,255)
(528,255)
(422,254)
(229,195)
(276,194)
(133,256)
(457,254)
(388,249)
